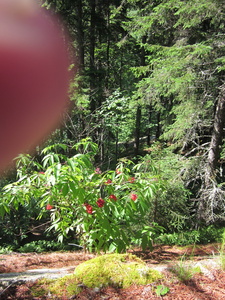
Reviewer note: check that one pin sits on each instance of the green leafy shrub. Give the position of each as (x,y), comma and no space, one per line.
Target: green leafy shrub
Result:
(43,246)
(101,210)
(6,249)
(170,207)
(205,235)
(105,210)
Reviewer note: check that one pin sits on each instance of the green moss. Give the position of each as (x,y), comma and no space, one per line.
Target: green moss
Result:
(38,291)
(41,287)
(120,270)
(65,286)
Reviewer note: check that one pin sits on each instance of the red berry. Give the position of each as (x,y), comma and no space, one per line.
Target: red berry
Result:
(113,197)
(133,197)
(89,208)
(108,181)
(49,207)
(100,202)
(132,179)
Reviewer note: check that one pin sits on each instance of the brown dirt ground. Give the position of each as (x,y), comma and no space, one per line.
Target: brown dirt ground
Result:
(199,287)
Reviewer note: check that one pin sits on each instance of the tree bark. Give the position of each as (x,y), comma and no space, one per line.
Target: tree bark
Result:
(80,34)
(211,197)
(138,111)
(137,130)
(92,55)
(158,127)
(217,134)
(149,132)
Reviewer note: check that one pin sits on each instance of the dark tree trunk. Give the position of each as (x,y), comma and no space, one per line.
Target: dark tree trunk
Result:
(217,135)
(158,128)
(139,112)
(80,34)
(211,196)
(137,130)
(149,122)
(92,55)
(108,48)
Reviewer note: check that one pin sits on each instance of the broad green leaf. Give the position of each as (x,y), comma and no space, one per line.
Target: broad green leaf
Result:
(65,189)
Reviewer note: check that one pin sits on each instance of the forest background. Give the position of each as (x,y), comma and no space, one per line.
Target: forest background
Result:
(141,153)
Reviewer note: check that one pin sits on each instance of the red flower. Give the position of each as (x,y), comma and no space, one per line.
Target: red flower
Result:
(43,173)
(113,197)
(133,197)
(98,171)
(132,179)
(49,207)
(118,171)
(108,181)
(100,202)
(89,208)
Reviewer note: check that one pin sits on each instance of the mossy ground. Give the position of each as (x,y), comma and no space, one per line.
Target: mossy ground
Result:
(118,270)
(41,287)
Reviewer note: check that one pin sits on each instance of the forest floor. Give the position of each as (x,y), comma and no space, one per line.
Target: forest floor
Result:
(209,284)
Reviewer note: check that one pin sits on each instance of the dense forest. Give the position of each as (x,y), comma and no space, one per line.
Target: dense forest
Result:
(144,137)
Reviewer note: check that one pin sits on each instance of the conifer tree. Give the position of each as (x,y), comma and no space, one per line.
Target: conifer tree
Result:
(184,82)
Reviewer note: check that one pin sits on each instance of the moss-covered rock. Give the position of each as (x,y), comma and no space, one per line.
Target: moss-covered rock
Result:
(120,270)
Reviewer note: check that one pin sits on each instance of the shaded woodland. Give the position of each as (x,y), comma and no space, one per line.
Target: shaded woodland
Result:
(149,93)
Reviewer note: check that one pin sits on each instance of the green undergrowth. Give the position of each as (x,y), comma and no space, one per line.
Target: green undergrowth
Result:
(206,235)
(185,272)
(118,270)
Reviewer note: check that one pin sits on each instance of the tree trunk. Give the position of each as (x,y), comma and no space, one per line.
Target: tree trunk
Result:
(80,34)
(149,132)
(211,196)
(108,49)
(137,130)
(217,135)
(158,127)
(92,56)
(138,112)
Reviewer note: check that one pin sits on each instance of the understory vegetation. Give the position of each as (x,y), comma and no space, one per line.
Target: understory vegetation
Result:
(70,203)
